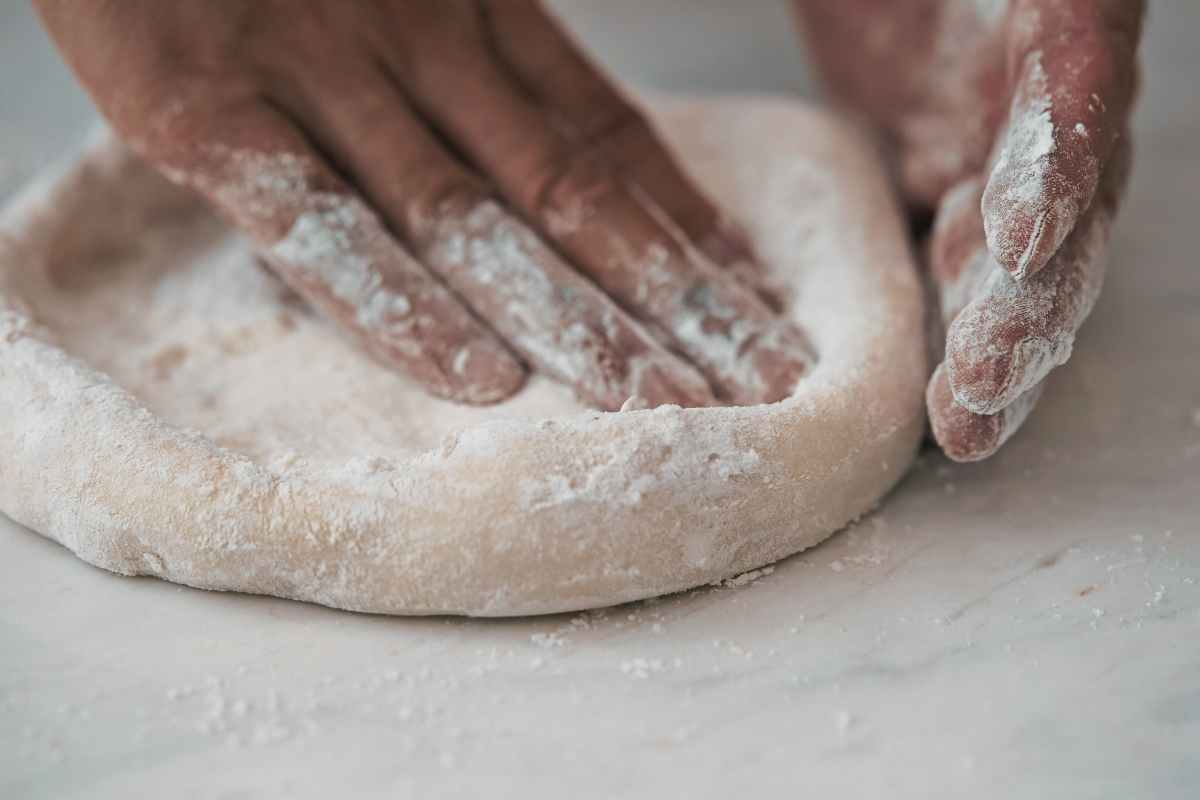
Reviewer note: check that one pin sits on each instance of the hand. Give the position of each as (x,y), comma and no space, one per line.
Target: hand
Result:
(419,170)
(1009,120)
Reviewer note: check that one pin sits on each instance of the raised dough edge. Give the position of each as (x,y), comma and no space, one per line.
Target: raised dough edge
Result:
(506,518)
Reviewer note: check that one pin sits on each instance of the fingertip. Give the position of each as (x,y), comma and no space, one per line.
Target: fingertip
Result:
(1013,238)
(963,435)
(1044,174)
(1026,227)
(728,246)
(780,359)
(669,384)
(957,228)
(480,372)
(992,357)
(1072,96)
(784,378)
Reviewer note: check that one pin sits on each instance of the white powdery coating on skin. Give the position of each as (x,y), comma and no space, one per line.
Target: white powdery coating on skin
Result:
(1028,143)
(1019,179)
(568,329)
(957,294)
(321,246)
(1015,414)
(990,12)
(726,353)
(329,242)
(252,184)
(1031,358)
(1065,295)
(488,248)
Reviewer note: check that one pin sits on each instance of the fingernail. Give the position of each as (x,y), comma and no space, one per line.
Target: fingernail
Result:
(481,372)
(657,385)
(987,376)
(781,358)
(1022,223)
(725,250)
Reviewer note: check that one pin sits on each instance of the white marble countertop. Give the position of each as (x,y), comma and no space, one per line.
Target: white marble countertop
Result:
(1027,627)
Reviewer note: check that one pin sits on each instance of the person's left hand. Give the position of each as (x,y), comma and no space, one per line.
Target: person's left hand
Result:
(1018,110)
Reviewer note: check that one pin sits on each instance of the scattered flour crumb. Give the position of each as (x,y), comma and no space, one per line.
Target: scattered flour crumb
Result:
(548,640)
(641,668)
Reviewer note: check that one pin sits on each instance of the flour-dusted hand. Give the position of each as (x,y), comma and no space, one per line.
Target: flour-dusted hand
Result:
(1008,119)
(450,181)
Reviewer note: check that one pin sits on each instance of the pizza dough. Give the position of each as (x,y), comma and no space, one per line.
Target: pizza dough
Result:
(168,409)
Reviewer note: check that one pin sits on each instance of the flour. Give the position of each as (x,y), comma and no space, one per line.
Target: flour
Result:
(1029,140)
(1012,334)
(320,245)
(190,418)
(990,12)
(629,468)
(339,255)
(1028,209)
(555,318)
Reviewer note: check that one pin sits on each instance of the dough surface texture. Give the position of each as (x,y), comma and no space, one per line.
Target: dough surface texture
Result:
(167,408)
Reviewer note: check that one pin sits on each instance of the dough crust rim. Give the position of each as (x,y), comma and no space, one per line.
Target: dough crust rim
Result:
(561,522)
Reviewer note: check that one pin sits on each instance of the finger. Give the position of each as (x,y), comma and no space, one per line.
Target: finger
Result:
(749,353)
(327,244)
(1073,72)
(959,261)
(964,435)
(1012,334)
(586,105)
(556,318)
(558,321)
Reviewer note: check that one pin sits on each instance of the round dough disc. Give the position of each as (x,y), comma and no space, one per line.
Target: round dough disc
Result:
(167,408)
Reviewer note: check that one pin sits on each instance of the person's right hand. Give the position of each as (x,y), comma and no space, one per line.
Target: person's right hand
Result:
(415,168)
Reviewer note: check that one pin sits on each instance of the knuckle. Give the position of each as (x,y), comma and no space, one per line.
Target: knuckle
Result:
(613,126)
(589,166)
(566,184)
(439,195)
(177,115)
(440,45)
